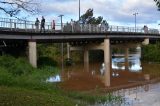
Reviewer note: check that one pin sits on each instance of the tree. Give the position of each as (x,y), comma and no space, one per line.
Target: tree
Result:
(158,4)
(14,7)
(88,18)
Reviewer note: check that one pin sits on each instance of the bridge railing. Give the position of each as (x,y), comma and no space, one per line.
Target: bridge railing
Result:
(17,24)
(24,25)
(99,28)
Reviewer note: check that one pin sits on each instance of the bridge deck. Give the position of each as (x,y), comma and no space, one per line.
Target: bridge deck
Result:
(25,30)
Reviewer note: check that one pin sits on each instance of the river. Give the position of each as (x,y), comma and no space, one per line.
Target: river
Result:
(123,71)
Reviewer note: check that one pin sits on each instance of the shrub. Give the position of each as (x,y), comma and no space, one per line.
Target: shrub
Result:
(20,67)
(5,77)
(46,61)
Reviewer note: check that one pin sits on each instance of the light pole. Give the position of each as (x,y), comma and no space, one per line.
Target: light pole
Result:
(62,42)
(135,14)
(79,9)
(61,16)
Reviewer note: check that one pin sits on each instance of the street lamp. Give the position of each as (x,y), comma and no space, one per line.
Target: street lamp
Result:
(79,9)
(62,42)
(135,14)
(61,16)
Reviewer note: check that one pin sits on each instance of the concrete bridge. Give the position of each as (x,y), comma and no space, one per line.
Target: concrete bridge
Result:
(80,37)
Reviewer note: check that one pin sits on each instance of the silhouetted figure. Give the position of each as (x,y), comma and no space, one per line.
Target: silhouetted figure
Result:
(37,24)
(42,24)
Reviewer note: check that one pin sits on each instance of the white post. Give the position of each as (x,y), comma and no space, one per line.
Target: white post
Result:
(32,53)
(10,24)
(15,26)
(107,73)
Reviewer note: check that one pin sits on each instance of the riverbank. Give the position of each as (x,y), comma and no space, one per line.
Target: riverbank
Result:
(21,84)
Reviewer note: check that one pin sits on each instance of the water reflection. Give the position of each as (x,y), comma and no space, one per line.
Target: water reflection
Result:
(133,63)
(55,78)
(123,71)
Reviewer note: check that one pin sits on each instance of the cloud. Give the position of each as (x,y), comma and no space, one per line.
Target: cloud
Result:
(116,11)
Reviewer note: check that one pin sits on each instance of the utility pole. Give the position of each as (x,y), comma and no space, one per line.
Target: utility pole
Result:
(135,14)
(61,16)
(79,9)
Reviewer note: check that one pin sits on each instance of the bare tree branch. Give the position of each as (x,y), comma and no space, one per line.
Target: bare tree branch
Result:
(158,4)
(14,7)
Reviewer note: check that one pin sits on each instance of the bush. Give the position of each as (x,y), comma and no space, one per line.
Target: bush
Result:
(7,61)
(5,77)
(21,67)
(46,61)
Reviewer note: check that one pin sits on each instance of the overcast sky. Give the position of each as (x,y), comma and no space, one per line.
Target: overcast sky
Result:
(116,12)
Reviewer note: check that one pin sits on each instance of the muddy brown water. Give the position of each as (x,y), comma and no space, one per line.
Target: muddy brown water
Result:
(123,72)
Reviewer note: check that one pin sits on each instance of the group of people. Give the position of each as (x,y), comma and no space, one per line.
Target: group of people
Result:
(42,24)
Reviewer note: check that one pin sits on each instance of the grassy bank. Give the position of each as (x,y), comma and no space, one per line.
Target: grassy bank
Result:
(21,84)
(14,96)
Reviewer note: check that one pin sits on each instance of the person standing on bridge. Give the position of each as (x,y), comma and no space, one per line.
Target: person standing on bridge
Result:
(37,24)
(42,24)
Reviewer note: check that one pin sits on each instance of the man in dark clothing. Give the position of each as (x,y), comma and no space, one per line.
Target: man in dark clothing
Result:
(42,24)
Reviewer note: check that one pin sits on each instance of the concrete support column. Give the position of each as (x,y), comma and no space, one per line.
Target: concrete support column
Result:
(146,41)
(68,50)
(32,53)
(86,59)
(107,74)
(126,58)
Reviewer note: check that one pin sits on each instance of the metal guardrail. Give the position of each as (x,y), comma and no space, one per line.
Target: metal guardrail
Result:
(18,25)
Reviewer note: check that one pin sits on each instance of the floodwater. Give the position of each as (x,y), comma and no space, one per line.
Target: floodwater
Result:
(123,71)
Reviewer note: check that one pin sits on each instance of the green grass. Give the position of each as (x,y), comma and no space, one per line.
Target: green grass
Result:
(10,96)
(93,97)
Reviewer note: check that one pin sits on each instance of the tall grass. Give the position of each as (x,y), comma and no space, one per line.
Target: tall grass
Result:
(18,72)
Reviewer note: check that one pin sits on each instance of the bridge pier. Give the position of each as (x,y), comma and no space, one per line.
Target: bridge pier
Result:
(107,73)
(126,58)
(32,53)
(86,59)
(146,41)
(68,51)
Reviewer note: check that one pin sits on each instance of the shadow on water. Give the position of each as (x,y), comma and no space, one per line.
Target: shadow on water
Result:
(124,71)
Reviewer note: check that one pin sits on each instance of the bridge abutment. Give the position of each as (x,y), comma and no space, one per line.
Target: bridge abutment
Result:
(32,46)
